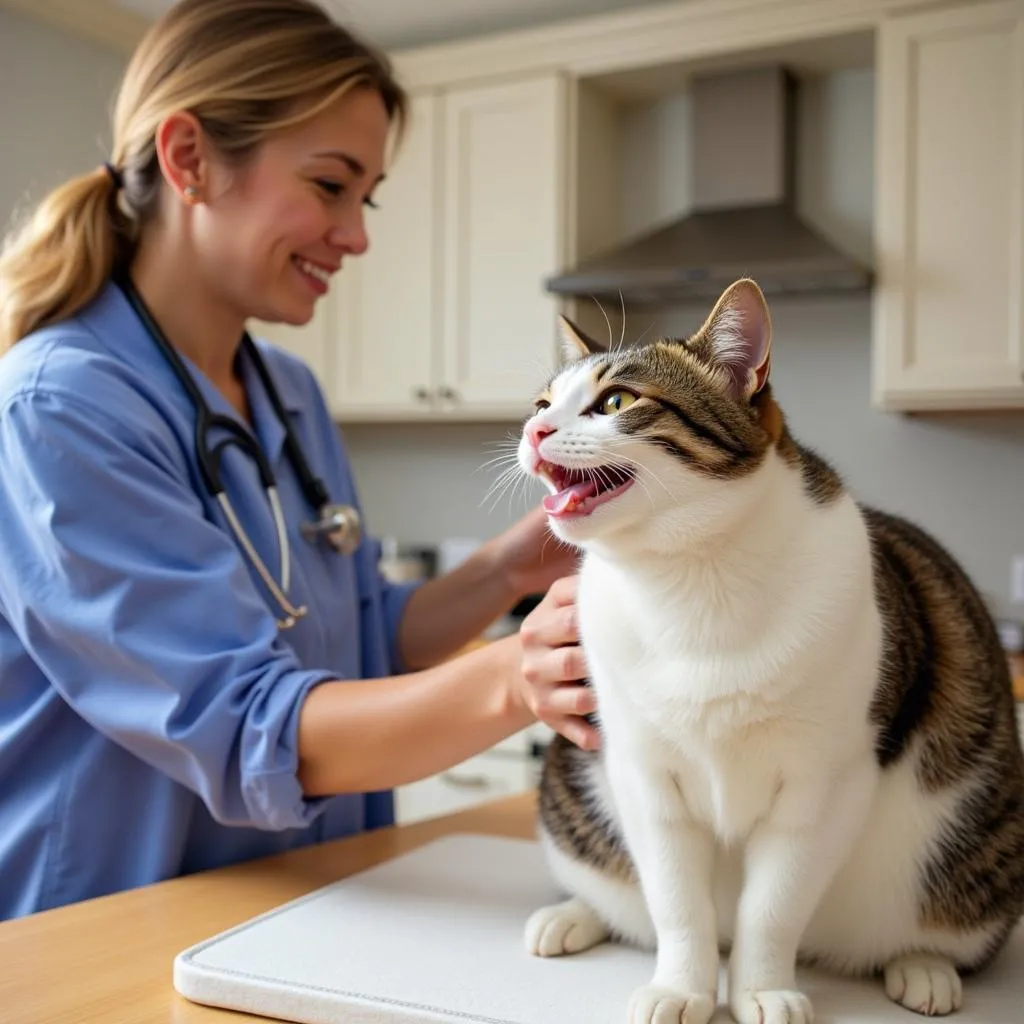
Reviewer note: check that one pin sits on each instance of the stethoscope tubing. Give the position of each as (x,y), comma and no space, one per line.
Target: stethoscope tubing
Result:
(332,518)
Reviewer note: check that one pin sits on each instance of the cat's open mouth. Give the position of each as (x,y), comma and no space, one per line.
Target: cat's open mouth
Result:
(579,491)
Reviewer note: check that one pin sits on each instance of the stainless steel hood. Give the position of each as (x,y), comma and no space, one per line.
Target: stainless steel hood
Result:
(743,220)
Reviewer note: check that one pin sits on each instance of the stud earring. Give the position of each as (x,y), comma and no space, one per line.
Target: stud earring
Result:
(191,195)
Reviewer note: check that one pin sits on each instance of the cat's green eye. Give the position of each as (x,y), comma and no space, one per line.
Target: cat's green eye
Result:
(616,401)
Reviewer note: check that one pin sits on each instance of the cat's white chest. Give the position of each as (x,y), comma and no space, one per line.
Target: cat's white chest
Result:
(651,662)
(717,726)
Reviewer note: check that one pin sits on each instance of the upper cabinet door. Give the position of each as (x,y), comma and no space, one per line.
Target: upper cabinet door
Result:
(386,300)
(504,157)
(949,218)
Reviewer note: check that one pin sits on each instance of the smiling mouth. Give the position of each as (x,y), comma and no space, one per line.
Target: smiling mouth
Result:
(577,492)
(316,275)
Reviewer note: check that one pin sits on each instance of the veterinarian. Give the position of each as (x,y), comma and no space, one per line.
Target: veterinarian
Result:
(199,661)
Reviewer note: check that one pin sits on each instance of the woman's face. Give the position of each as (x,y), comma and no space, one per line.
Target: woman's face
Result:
(272,234)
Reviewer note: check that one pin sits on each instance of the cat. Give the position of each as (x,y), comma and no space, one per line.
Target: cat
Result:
(808,747)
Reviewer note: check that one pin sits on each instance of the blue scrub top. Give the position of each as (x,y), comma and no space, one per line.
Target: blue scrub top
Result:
(148,702)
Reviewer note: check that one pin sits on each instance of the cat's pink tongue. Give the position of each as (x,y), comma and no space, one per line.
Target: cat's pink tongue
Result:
(569,499)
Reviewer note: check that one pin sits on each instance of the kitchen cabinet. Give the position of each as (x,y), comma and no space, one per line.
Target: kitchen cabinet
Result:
(488,776)
(949,221)
(446,315)
(511,767)
(312,342)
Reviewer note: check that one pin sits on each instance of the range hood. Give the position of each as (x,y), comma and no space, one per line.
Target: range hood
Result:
(743,220)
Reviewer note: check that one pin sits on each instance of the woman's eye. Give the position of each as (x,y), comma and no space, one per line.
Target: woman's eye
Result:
(616,401)
(336,188)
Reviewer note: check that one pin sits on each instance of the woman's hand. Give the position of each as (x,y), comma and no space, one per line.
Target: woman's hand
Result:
(554,668)
(531,557)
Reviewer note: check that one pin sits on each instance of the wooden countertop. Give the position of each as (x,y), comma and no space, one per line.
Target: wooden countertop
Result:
(110,959)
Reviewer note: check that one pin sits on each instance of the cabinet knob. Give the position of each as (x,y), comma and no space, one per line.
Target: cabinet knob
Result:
(448,394)
(421,394)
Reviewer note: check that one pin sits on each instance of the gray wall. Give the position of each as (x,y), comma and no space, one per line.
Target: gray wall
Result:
(962,477)
(58,92)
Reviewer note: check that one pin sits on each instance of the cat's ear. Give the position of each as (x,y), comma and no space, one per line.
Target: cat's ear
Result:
(737,338)
(576,344)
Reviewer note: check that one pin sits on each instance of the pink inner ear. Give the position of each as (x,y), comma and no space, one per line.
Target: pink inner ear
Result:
(741,339)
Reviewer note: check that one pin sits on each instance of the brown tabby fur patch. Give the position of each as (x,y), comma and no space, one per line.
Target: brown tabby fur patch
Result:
(570,814)
(944,687)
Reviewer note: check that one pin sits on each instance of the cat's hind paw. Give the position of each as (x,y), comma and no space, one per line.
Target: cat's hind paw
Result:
(924,983)
(774,1006)
(561,928)
(656,1004)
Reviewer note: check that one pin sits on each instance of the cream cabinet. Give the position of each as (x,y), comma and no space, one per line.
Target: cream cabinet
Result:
(387,302)
(509,768)
(312,342)
(949,223)
(446,315)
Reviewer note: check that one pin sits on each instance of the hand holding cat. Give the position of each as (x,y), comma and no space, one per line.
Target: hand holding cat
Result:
(554,667)
(532,558)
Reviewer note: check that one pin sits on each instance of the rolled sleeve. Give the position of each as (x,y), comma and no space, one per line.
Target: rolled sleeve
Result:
(141,612)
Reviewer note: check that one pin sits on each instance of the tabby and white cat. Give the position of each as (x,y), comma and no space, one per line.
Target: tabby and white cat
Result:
(809,750)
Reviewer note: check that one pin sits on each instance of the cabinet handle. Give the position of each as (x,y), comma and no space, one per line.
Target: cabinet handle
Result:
(449,394)
(466,781)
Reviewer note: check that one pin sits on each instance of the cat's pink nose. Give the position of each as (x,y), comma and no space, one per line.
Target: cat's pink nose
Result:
(536,432)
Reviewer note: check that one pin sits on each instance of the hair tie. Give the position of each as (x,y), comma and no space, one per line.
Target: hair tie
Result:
(115,175)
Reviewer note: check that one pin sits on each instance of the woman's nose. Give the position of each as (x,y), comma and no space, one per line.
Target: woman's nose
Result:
(350,237)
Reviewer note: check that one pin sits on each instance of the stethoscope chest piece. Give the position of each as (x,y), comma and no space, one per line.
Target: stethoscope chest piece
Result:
(339,525)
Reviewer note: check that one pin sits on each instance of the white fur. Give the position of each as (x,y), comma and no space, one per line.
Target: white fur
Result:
(733,642)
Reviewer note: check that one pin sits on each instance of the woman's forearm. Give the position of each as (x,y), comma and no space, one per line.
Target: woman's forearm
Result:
(374,734)
(447,612)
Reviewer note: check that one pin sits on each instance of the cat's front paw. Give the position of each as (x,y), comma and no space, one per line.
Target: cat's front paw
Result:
(771,1006)
(657,1004)
(568,927)
(924,983)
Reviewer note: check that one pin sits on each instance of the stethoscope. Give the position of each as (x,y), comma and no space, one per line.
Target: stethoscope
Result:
(339,525)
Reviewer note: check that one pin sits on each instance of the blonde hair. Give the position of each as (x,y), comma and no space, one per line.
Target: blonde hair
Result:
(246,69)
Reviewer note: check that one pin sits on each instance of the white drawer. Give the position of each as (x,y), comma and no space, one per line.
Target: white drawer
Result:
(488,776)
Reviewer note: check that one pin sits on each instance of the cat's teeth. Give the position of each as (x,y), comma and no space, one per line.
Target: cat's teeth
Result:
(313,270)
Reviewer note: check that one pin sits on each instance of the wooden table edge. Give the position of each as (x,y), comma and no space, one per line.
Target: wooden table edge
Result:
(111,958)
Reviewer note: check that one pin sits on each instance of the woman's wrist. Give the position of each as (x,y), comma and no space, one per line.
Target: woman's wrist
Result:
(505,659)
(499,567)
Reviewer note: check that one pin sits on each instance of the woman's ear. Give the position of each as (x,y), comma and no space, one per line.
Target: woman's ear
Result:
(737,338)
(575,343)
(182,150)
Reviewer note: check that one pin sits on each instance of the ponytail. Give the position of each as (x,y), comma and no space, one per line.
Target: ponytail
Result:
(59,259)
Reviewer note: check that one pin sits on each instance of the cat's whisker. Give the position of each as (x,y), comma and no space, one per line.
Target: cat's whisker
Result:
(506,459)
(644,334)
(606,320)
(506,480)
(622,337)
(628,462)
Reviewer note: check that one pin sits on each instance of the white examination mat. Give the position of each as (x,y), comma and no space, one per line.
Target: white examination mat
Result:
(437,935)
